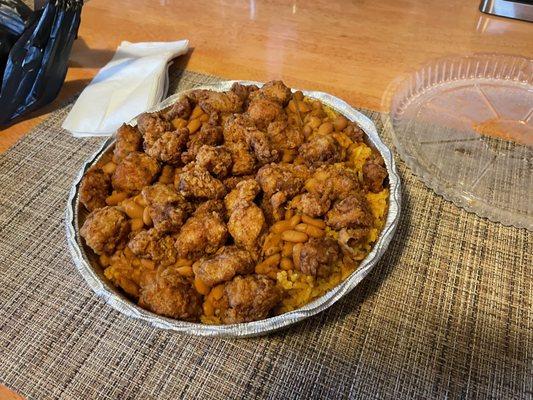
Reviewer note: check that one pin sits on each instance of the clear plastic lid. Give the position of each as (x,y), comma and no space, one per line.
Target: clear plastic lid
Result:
(464,125)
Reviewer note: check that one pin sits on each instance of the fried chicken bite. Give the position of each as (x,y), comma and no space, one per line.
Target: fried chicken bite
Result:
(245,224)
(244,192)
(313,204)
(168,147)
(128,140)
(250,298)
(280,182)
(328,184)
(240,133)
(271,215)
(259,143)
(321,149)
(172,295)
(353,211)
(224,265)
(211,206)
(196,182)
(209,134)
(203,232)
(236,127)
(180,109)
(167,208)
(274,90)
(232,181)
(285,137)
(105,230)
(244,163)
(243,91)
(152,126)
(374,173)
(216,160)
(135,171)
(94,189)
(317,256)
(154,244)
(217,102)
(262,111)
(288,179)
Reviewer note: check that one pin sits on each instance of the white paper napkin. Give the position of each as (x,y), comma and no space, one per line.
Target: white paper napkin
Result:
(133,81)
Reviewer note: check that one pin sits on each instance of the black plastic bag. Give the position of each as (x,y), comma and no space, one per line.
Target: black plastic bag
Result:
(37,62)
(13,17)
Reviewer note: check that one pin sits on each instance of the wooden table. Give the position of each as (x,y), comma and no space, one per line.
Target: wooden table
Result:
(353,49)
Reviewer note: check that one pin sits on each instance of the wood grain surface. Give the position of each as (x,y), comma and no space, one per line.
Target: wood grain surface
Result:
(353,49)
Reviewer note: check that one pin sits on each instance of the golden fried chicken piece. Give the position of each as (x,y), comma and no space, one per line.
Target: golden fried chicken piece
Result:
(274,90)
(285,137)
(288,179)
(250,298)
(224,265)
(262,111)
(280,182)
(353,211)
(154,245)
(244,192)
(152,126)
(105,230)
(210,206)
(245,224)
(180,109)
(259,143)
(216,160)
(317,256)
(232,181)
(374,173)
(167,208)
(236,128)
(128,140)
(217,102)
(313,204)
(94,188)
(209,134)
(271,215)
(203,233)
(196,182)
(321,149)
(172,295)
(328,184)
(243,91)
(244,163)
(354,132)
(135,171)
(168,147)
(241,136)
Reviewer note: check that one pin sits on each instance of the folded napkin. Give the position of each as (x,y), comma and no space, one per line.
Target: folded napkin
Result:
(134,80)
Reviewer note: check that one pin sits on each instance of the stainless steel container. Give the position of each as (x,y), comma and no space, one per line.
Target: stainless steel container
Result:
(88,267)
(520,9)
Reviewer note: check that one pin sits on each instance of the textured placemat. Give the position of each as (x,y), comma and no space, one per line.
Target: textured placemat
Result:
(447,313)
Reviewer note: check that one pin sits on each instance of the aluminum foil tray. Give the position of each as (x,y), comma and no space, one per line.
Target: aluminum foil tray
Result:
(87,265)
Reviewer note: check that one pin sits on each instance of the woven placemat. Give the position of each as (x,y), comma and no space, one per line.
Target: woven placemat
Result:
(447,313)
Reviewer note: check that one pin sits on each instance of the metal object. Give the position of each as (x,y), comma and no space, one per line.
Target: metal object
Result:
(87,265)
(521,9)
